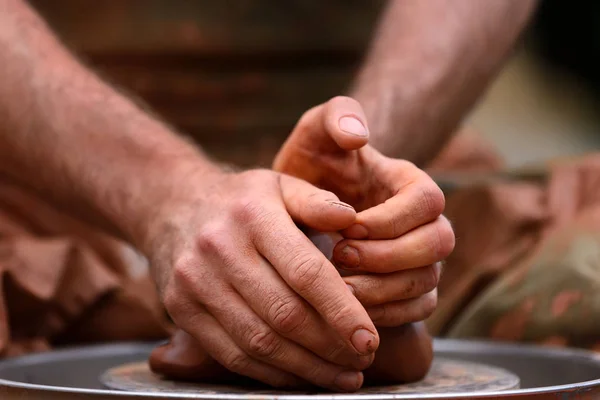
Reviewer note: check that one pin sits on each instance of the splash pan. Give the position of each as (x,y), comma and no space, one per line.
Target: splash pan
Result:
(485,371)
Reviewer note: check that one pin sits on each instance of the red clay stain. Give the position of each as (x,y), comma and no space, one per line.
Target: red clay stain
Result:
(563,301)
(511,326)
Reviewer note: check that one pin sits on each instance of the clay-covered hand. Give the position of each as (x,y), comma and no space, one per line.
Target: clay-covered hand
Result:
(237,274)
(400,212)
(392,252)
(405,353)
(407,358)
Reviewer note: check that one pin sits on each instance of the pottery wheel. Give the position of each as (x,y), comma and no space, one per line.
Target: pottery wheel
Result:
(445,376)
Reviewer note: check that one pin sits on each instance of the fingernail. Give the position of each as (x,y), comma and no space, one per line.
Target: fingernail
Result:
(356,231)
(351,289)
(353,126)
(348,381)
(363,341)
(348,258)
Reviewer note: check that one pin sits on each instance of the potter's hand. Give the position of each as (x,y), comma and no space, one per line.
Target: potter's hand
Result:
(399,235)
(236,273)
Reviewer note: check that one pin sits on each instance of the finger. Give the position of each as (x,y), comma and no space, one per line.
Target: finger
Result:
(424,245)
(377,289)
(184,358)
(262,343)
(415,204)
(315,208)
(404,311)
(338,126)
(289,315)
(219,345)
(308,272)
(345,122)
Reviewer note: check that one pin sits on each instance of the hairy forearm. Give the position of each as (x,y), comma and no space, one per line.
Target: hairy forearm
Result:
(429,63)
(72,138)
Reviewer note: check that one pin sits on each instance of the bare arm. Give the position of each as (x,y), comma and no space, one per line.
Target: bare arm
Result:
(72,138)
(430,62)
(232,267)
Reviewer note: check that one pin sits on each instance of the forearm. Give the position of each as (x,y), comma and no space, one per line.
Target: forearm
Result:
(429,63)
(72,138)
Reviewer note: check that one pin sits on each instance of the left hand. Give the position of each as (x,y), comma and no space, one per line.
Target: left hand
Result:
(399,212)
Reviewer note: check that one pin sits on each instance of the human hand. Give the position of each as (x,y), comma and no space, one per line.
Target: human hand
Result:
(404,355)
(236,273)
(406,349)
(393,250)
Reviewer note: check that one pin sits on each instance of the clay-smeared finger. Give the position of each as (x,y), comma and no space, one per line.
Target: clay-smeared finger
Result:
(260,342)
(289,315)
(314,207)
(424,245)
(220,346)
(405,311)
(308,272)
(413,205)
(376,289)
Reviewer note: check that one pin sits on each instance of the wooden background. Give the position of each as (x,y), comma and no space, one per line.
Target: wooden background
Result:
(235,75)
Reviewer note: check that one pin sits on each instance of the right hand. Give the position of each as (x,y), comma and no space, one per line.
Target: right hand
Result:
(236,273)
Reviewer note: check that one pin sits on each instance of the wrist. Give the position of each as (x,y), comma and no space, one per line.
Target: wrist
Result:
(162,183)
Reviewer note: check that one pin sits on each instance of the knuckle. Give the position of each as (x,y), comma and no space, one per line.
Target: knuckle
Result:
(236,361)
(394,225)
(171,302)
(444,239)
(429,304)
(263,343)
(287,315)
(306,272)
(184,272)
(429,280)
(431,201)
(342,316)
(246,209)
(212,240)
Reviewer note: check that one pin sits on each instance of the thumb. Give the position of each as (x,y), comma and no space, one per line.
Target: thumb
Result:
(344,121)
(315,208)
(333,128)
(184,358)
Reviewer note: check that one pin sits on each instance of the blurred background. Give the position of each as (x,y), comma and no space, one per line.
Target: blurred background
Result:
(236,75)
